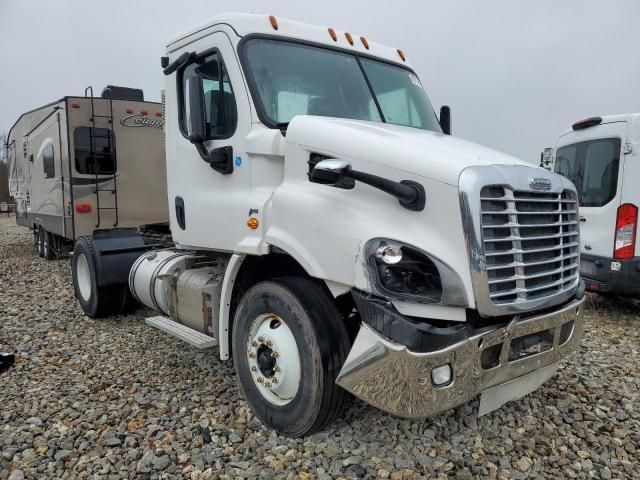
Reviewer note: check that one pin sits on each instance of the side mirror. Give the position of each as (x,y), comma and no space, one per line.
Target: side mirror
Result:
(445,119)
(195,110)
(329,172)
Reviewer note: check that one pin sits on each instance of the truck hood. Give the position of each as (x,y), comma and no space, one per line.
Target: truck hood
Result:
(429,154)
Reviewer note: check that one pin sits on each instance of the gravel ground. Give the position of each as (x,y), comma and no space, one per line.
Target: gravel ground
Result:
(117,399)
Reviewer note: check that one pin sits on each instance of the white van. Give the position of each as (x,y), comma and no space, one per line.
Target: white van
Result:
(601,156)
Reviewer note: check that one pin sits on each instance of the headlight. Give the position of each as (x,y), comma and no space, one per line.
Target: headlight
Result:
(401,271)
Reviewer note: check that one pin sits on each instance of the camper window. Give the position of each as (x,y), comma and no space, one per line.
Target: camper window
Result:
(48,163)
(220,104)
(94,151)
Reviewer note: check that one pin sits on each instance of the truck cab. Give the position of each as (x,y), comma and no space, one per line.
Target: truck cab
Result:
(333,237)
(599,155)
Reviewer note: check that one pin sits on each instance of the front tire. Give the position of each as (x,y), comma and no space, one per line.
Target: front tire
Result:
(289,343)
(97,301)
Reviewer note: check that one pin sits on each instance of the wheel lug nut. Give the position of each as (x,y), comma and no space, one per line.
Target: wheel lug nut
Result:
(274,380)
(269,343)
(260,380)
(261,339)
(277,369)
(275,354)
(254,343)
(254,369)
(252,354)
(267,384)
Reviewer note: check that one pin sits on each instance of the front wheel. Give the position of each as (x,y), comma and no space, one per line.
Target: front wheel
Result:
(289,343)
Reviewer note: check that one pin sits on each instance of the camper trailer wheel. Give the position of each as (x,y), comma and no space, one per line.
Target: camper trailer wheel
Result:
(48,246)
(289,343)
(40,241)
(97,301)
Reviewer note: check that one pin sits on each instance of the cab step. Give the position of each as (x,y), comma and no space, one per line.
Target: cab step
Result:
(175,329)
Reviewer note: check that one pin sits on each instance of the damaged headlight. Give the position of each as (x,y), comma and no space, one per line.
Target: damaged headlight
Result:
(401,271)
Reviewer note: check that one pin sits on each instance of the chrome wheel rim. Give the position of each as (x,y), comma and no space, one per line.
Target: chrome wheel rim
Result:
(83,277)
(274,359)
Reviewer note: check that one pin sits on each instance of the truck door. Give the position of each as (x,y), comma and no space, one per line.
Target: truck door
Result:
(207,202)
(593,160)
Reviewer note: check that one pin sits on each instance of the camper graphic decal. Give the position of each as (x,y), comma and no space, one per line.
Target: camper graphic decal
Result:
(139,120)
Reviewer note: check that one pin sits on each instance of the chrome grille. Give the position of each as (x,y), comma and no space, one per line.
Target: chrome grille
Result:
(530,242)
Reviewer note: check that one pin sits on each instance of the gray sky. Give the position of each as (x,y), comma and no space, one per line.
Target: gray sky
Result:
(516,73)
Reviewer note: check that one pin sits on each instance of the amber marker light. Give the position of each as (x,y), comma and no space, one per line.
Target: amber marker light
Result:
(348,37)
(364,42)
(274,22)
(401,54)
(333,34)
(253,223)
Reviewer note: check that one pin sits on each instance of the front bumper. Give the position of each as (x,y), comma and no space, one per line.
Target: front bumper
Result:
(600,277)
(390,377)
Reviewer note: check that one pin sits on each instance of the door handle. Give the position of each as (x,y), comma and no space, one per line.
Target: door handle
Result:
(582,219)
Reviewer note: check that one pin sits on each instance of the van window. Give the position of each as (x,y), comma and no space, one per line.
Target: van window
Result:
(220,103)
(593,168)
(48,162)
(94,150)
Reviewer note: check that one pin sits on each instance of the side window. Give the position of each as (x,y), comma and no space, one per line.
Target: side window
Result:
(220,103)
(94,150)
(48,162)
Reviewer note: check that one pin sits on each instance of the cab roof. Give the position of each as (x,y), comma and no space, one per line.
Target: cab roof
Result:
(244,24)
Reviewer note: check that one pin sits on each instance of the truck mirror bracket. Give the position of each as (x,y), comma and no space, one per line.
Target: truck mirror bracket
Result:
(221,160)
(410,194)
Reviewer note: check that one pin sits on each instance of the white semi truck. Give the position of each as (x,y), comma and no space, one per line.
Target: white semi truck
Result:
(332,237)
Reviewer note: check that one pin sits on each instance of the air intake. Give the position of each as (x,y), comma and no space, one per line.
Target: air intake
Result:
(123,93)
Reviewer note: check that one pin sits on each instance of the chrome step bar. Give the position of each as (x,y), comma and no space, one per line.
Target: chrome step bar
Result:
(184,333)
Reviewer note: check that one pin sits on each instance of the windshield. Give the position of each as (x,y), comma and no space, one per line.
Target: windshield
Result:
(292,79)
(593,168)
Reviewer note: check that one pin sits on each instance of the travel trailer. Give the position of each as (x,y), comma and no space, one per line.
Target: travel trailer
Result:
(332,237)
(81,164)
(601,156)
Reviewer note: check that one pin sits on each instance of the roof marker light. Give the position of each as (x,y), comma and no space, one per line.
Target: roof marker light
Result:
(333,34)
(144,112)
(129,110)
(586,123)
(348,37)
(75,105)
(158,114)
(401,55)
(364,42)
(274,22)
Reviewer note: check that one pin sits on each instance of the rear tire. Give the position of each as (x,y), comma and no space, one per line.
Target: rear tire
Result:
(96,301)
(47,247)
(283,328)
(40,242)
